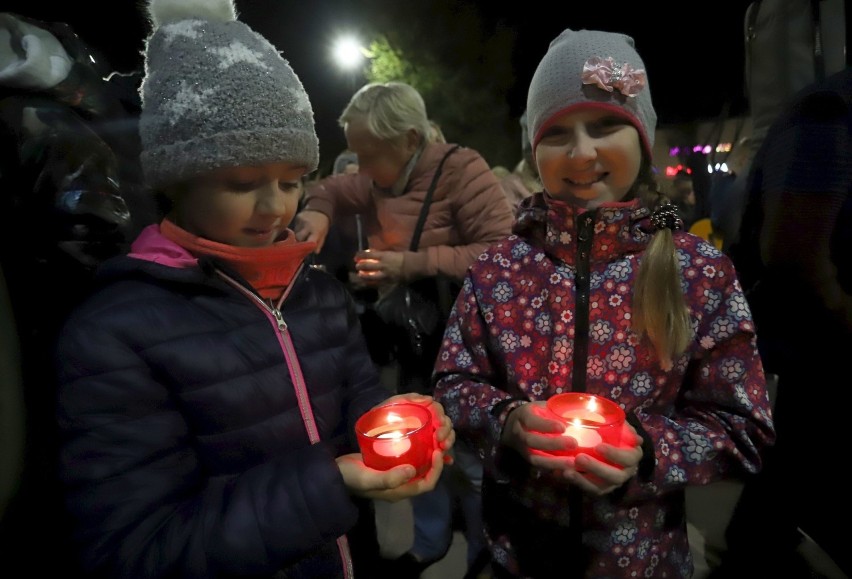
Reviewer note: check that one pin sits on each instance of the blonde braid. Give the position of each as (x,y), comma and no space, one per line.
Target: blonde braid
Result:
(659,306)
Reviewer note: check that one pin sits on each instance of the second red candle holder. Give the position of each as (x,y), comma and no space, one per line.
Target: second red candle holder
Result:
(589,419)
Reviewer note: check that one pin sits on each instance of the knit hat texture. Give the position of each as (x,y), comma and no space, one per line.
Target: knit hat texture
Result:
(217,94)
(585,68)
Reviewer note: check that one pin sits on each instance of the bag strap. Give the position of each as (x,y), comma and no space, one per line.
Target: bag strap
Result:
(424,211)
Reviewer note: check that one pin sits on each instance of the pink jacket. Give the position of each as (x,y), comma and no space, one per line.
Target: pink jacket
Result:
(469,211)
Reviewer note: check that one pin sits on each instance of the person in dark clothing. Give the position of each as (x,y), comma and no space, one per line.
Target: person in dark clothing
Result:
(683,195)
(69,179)
(794,257)
(727,195)
(209,387)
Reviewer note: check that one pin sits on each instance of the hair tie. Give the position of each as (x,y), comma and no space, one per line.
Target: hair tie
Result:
(666,217)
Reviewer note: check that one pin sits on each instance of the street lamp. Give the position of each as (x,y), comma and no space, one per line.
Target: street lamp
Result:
(349,56)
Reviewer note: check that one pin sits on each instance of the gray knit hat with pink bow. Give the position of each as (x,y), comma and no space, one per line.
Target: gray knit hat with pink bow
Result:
(585,68)
(217,94)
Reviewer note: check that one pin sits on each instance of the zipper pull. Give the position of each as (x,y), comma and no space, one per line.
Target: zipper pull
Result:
(282,325)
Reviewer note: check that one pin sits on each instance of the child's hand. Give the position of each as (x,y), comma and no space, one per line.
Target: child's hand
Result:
(388,485)
(532,431)
(600,478)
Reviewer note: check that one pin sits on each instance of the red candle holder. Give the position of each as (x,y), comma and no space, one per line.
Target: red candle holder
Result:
(589,419)
(394,434)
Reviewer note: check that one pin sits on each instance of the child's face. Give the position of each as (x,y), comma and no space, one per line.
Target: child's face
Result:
(588,157)
(241,206)
(381,160)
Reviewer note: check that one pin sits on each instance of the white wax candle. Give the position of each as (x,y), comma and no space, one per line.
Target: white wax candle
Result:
(586,437)
(393,443)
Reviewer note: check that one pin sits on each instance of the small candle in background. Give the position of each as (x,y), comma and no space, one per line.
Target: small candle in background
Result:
(367,266)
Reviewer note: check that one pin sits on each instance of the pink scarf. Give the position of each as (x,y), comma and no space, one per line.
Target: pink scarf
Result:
(268,269)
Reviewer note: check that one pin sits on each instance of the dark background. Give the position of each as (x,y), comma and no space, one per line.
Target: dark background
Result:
(695,60)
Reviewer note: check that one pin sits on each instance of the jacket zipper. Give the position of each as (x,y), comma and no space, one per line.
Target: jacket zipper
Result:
(298,378)
(582,284)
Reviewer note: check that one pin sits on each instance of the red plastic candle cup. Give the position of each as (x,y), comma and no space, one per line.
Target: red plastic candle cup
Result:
(589,419)
(394,434)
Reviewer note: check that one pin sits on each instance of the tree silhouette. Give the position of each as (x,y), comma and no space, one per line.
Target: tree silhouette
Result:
(458,63)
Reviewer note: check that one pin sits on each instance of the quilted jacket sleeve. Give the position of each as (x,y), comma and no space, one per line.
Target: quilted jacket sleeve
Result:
(339,194)
(481,216)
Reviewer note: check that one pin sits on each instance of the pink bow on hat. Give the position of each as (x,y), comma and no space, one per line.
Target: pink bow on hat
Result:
(608,75)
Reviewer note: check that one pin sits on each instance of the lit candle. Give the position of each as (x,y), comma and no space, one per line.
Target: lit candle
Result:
(365,257)
(586,437)
(589,419)
(390,443)
(394,434)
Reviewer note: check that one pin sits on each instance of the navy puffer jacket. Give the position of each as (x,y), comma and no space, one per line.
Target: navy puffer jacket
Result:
(184,452)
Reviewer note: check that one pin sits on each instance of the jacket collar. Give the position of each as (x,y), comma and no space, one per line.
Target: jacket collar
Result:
(618,228)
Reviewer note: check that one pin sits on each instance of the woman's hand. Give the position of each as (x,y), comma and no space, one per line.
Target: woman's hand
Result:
(379,267)
(388,485)
(312,226)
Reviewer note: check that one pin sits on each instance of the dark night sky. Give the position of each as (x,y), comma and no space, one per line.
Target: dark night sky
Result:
(695,65)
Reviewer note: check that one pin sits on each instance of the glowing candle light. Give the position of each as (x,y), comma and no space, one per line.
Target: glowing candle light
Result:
(586,437)
(589,419)
(588,412)
(395,434)
(391,444)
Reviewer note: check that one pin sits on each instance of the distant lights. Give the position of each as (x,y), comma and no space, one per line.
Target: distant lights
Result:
(717,168)
(705,149)
(672,170)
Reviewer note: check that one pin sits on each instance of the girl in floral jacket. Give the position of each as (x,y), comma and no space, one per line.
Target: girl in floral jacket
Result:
(600,291)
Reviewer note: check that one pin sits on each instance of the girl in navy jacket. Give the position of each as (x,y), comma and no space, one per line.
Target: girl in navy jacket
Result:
(209,387)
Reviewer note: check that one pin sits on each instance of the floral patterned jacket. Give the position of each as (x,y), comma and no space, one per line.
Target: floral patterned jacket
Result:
(560,289)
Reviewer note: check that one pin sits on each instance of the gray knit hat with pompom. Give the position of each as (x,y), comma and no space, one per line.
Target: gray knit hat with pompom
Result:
(585,68)
(217,94)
